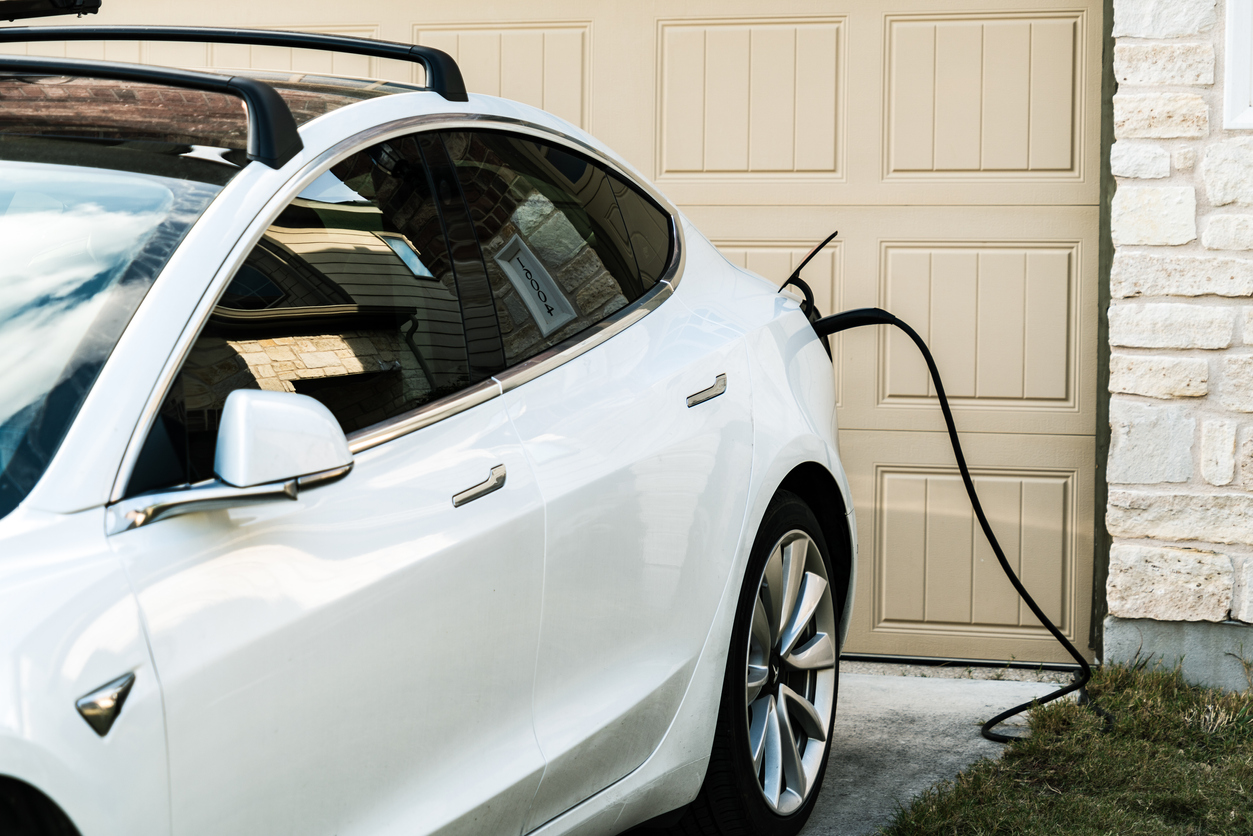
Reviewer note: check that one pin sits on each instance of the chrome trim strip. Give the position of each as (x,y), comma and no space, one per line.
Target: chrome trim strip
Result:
(511,379)
(495,481)
(423,416)
(720,386)
(323,477)
(212,495)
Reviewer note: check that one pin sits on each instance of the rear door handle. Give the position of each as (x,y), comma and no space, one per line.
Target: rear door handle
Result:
(720,386)
(495,481)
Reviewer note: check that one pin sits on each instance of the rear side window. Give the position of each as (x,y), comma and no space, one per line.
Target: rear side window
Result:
(351,297)
(564,243)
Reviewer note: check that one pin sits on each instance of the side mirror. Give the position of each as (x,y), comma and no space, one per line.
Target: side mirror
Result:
(275,436)
(270,445)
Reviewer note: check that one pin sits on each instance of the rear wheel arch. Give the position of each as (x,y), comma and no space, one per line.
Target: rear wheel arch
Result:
(27,811)
(813,483)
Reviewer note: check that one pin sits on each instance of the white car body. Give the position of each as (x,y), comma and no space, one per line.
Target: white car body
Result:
(268,641)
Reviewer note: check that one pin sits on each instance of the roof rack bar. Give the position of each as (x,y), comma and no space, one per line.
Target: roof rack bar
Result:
(272,135)
(443,76)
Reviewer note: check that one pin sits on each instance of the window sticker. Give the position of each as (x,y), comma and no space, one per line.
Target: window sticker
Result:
(547,304)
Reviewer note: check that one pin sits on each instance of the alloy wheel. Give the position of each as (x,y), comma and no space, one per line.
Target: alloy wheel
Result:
(790,676)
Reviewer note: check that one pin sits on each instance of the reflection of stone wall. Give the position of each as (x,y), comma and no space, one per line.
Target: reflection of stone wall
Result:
(219,366)
(524,211)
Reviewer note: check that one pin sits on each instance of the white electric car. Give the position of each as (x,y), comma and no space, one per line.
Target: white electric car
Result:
(377,459)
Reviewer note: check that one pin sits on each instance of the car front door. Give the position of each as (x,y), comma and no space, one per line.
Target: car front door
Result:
(362,659)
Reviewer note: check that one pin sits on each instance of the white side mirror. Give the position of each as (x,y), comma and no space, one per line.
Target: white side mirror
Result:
(274,436)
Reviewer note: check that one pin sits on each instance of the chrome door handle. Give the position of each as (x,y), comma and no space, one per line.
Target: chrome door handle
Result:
(720,386)
(495,481)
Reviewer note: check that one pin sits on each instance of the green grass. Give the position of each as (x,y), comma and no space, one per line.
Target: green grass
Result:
(1178,760)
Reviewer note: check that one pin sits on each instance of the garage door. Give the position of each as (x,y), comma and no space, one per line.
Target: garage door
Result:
(956,150)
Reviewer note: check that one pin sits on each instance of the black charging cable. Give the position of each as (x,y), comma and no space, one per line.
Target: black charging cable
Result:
(828,325)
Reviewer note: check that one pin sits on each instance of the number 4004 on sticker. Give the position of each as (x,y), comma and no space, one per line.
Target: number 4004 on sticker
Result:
(544,300)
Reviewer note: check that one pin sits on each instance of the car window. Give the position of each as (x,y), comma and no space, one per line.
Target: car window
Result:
(351,297)
(556,246)
(648,226)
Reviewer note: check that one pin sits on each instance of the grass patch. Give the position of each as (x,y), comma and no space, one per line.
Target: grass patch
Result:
(1179,760)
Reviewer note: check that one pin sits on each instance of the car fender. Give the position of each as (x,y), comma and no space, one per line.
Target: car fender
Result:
(70,624)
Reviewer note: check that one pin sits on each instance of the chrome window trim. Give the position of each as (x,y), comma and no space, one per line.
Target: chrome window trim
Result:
(423,416)
(482,392)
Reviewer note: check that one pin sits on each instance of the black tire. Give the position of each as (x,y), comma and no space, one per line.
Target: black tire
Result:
(732,801)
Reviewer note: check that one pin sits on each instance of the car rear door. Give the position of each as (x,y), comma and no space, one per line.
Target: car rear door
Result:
(641,446)
(362,659)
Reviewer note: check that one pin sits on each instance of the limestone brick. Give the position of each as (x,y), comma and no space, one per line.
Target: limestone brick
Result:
(1228,172)
(1160,116)
(319,359)
(1158,377)
(1242,590)
(1236,391)
(1163,18)
(1244,456)
(1218,450)
(556,241)
(1246,325)
(1148,274)
(1229,232)
(1168,584)
(1149,444)
(1164,63)
(1163,325)
(1163,215)
(1184,159)
(1215,518)
(1139,159)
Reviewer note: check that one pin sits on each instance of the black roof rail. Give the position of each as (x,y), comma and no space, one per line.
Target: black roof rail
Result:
(443,76)
(15,9)
(272,135)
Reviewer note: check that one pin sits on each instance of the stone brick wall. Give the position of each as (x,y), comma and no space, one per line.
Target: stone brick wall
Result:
(1181,336)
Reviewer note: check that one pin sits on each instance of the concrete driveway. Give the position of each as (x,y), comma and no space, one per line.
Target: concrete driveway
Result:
(896,736)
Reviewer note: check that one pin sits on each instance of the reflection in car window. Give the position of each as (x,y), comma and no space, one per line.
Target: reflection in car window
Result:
(557,250)
(82,244)
(648,226)
(350,297)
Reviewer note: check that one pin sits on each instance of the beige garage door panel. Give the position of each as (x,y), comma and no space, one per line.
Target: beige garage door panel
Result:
(928,582)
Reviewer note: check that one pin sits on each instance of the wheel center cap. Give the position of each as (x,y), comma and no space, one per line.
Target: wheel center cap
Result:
(774,671)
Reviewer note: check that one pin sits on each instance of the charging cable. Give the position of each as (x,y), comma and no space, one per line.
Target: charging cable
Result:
(824,327)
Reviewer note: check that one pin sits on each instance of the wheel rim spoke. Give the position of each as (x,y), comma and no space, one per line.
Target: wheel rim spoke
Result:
(761,710)
(773,756)
(793,770)
(772,586)
(757,678)
(815,654)
(794,705)
(794,554)
(761,632)
(810,597)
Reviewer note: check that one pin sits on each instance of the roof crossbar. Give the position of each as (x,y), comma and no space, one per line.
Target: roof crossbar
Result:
(443,76)
(272,135)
